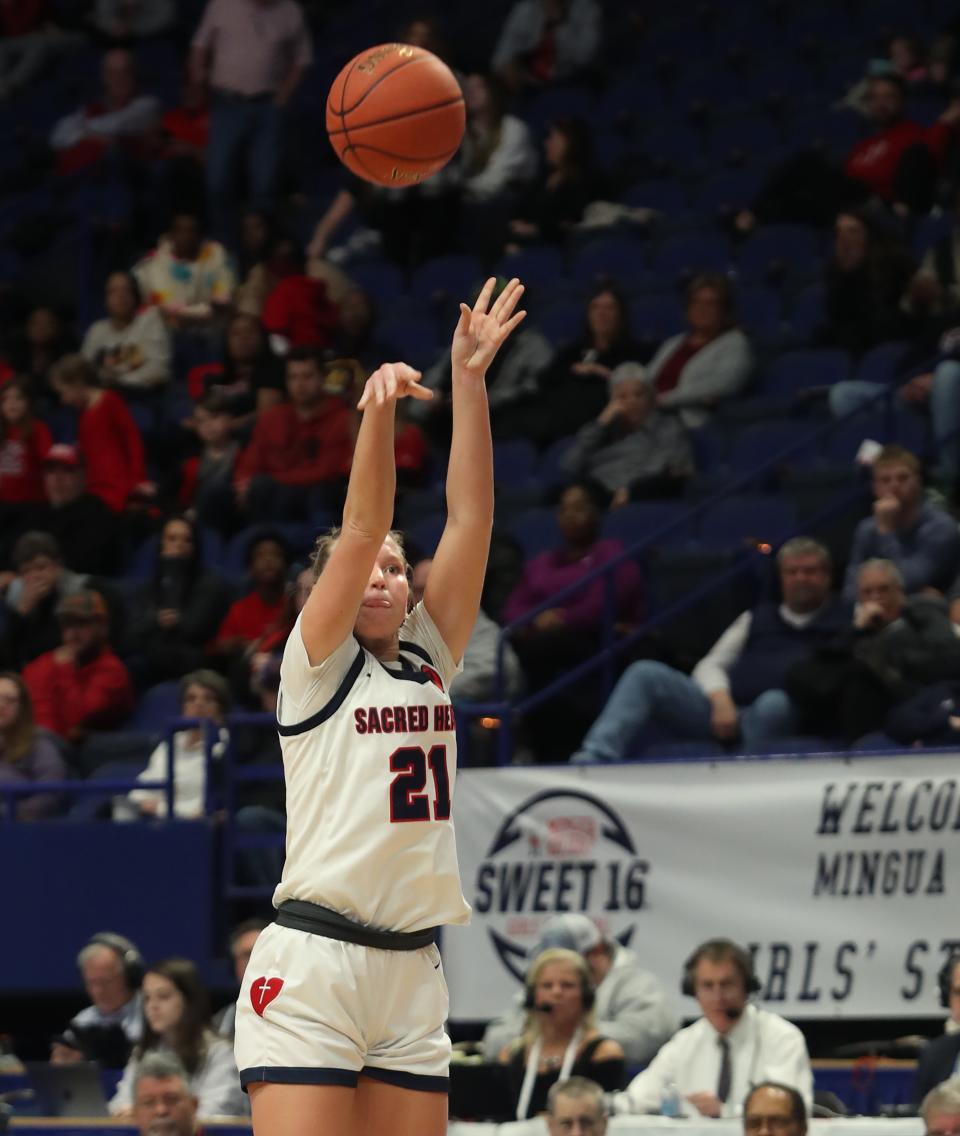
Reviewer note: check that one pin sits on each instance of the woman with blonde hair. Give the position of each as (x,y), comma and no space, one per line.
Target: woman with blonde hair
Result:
(26,753)
(560,1038)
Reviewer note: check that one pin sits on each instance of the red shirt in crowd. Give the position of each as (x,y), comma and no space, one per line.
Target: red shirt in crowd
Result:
(299,451)
(249,618)
(67,697)
(21,17)
(183,124)
(669,374)
(112,449)
(874,161)
(21,459)
(299,309)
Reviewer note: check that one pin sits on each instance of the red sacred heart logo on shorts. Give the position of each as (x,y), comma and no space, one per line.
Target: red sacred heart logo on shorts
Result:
(263,991)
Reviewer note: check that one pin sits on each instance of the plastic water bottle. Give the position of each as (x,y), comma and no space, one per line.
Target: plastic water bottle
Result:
(670,1101)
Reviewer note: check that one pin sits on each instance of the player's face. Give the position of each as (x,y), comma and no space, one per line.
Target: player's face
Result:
(384,604)
(719,988)
(558,985)
(163,1004)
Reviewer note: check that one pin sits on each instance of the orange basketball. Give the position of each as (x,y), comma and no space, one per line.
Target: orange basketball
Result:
(395,114)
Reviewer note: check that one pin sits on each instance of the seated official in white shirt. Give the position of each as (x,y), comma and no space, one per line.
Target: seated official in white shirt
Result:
(708,1068)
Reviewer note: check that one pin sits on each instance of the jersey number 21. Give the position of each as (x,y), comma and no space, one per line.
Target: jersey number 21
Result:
(408,801)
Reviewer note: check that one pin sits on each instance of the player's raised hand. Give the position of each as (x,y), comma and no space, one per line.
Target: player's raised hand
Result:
(480,331)
(390,382)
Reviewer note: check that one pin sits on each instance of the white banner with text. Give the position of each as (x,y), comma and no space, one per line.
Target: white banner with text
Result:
(841,876)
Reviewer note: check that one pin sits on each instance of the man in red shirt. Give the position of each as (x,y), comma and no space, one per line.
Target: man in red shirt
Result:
(300,452)
(82,685)
(900,161)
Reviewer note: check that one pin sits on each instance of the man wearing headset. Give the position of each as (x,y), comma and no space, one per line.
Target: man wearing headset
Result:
(941,1058)
(110,1026)
(708,1068)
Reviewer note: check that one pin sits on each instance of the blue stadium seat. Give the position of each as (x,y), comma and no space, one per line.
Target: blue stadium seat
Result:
(656,317)
(561,321)
(457,276)
(664,195)
(757,444)
(619,255)
(640,520)
(426,532)
(729,191)
(536,531)
(743,518)
(552,471)
(382,279)
(708,449)
(156,706)
(808,312)
(744,136)
(880,363)
(760,311)
(693,252)
(91,805)
(515,463)
(793,250)
(802,370)
(534,265)
(416,338)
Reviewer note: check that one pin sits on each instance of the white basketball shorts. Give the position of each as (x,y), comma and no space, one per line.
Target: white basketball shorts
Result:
(316,1011)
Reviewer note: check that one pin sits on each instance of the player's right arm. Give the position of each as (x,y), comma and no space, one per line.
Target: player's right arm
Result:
(331,610)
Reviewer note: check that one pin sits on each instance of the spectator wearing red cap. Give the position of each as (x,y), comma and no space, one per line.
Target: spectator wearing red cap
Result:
(80,685)
(299,450)
(107,436)
(83,526)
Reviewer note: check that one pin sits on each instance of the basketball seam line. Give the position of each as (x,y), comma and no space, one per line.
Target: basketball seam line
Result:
(345,110)
(406,114)
(354,146)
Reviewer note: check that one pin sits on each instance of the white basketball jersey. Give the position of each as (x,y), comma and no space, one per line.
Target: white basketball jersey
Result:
(369,756)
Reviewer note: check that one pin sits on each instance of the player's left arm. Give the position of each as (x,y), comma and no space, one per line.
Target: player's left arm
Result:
(452,595)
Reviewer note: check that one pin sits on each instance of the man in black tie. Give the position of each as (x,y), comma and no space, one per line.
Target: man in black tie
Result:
(713,1063)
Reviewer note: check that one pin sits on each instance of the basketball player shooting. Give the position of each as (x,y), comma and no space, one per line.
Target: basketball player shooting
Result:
(340,1017)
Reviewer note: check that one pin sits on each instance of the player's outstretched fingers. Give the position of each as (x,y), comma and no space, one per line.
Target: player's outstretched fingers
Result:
(507,300)
(483,300)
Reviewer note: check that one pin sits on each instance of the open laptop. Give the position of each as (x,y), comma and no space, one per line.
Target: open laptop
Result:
(67,1090)
(480,1091)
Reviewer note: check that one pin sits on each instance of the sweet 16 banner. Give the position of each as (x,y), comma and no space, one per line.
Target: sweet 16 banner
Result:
(841,876)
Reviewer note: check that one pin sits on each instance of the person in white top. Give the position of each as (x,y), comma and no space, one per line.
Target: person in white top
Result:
(708,1068)
(340,1016)
(130,347)
(204,695)
(176,1021)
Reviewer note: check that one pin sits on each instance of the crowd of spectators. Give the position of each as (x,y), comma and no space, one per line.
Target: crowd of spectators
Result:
(237,297)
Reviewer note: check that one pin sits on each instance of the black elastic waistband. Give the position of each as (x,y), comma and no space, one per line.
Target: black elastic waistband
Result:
(317,920)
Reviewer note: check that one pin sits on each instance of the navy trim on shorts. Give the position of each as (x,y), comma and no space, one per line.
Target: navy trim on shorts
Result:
(332,706)
(419,1082)
(297,1075)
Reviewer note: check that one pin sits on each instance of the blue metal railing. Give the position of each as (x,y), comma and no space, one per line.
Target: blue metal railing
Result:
(508,712)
